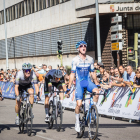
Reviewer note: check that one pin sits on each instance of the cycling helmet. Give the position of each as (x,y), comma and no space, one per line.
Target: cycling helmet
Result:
(79,43)
(58,73)
(26,66)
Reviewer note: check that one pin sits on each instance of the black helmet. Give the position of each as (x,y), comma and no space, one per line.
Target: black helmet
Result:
(58,73)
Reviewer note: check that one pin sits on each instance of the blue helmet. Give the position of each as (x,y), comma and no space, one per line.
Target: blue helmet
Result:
(79,43)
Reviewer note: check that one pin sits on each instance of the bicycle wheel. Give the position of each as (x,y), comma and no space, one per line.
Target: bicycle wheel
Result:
(59,116)
(21,118)
(82,125)
(29,120)
(93,123)
(50,124)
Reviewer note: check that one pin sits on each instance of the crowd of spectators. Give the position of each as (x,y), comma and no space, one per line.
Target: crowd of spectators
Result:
(121,77)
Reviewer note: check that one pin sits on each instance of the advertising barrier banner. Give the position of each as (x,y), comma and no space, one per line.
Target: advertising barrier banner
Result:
(118,102)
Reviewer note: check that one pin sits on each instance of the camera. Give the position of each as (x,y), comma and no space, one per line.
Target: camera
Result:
(34,66)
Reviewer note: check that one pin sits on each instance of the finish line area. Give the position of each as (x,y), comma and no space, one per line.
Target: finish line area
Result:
(108,128)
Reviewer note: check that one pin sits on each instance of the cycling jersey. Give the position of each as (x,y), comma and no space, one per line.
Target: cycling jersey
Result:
(20,79)
(49,79)
(82,68)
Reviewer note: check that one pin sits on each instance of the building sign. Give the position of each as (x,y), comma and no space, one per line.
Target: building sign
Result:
(116,19)
(116,36)
(116,28)
(116,46)
(122,7)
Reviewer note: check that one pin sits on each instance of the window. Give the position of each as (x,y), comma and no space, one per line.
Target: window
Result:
(25,8)
(36,5)
(52,2)
(48,3)
(7,15)
(28,7)
(2,16)
(57,2)
(22,8)
(10,13)
(13,12)
(44,4)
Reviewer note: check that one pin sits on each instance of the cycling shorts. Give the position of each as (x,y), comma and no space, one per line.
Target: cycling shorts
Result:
(80,85)
(48,81)
(25,88)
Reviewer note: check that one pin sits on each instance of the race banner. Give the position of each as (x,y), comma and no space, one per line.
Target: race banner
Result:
(120,102)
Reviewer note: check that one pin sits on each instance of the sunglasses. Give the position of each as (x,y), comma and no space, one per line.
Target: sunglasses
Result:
(28,70)
(57,78)
(61,69)
(112,68)
(82,46)
(67,80)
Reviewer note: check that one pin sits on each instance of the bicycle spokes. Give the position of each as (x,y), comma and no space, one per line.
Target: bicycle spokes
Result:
(29,119)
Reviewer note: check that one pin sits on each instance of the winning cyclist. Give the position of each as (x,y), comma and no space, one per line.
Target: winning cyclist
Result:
(82,66)
(53,77)
(24,80)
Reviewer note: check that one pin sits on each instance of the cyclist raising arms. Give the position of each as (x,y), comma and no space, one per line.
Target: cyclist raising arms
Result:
(24,80)
(82,66)
(53,78)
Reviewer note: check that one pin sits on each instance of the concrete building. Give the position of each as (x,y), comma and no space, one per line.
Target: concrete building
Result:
(34,26)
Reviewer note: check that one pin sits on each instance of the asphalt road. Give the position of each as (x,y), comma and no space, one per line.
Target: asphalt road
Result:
(108,129)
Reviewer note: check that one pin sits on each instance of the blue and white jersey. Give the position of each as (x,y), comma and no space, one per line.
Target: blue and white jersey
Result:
(82,67)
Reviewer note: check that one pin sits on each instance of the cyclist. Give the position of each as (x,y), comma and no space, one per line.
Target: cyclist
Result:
(53,77)
(83,67)
(24,80)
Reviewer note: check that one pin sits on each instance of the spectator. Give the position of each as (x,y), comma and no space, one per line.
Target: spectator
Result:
(62,69)
(9,72)
(116,73)
(112,71)
(138,69)
(100,76)
(137,80)
(2,70)
(123,74)
(130,74)
(44,67)
(50,67)
(66,79)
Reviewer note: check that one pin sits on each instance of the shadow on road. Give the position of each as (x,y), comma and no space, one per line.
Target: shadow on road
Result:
(2,127)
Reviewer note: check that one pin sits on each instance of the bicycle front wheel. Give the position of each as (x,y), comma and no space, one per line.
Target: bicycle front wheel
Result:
(59,116)
(21,118)
(50,124)
(93,123)
(29,120)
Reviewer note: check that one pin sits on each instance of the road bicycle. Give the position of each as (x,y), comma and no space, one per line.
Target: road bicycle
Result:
(25,114)
(89,117)
(55,110)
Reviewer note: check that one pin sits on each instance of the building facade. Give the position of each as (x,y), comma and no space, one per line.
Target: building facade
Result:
(35,26)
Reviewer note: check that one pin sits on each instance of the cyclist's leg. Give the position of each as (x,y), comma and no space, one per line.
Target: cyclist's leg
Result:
(79,96)
(17,107)
(93,88)
(61,94)
(47,97)
(30,90)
